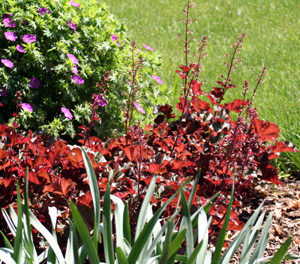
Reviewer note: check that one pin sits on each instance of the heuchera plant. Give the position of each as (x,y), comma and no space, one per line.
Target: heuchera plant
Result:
(203,139)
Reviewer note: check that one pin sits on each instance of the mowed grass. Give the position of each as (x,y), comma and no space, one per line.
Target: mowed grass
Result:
(272,30)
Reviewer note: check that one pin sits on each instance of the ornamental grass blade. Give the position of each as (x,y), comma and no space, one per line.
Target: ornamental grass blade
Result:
(139,244)
(28,239)
(95,194)
(187,223)
(279,255)
(119,214)
(9,222)
(84,234)
(126,225)
(17,255)
(262,242)
(175,245)
(167,242)
(221,239)
(194,255)
(195,184)
(121,256)
(71,255)
(203,226)
(6,241)
(107,229)
(143,211)
(48,236)
(6,256)
(53,218)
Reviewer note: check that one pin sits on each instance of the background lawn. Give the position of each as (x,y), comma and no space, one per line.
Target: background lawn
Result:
(272,29)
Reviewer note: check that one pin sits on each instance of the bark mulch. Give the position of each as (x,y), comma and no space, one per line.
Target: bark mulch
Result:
(284,203)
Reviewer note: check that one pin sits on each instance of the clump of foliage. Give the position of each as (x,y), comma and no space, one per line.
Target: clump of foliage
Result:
(55,53)
(156,240)
(204,138)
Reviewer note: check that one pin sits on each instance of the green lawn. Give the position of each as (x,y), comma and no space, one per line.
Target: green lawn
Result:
(272,40)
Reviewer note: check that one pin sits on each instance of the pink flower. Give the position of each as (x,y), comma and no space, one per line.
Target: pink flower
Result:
(113,37)
(27,107)
(72,58)
(75,70)
(44,11)
(67,113)
(147,47)
(7,16)
(34,83)
(74,4)
(72,25)
(77,79)
(138,51)
(156,78)
(20,48)
(119,45)
(139,108)
(9,23)
(7,63)
(29,38)
(10,36)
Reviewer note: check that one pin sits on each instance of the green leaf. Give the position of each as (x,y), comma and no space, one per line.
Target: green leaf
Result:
(71,255)
(195,184)
(176,243)
(84,234)
(95,194)
(6,241)
(187,223)
(126,224)
(279,255)
(17,256)
(53,218)
(165,252)
(194,255)
(221,239)
(121,256)
(107,229)
(119,214)
(143,211)
(139,244)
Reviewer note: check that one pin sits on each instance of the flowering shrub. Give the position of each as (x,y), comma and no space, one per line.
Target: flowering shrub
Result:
(55,52)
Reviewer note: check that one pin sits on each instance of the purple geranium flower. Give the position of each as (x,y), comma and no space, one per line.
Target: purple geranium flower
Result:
(139,108)
(67,113)
(100,100)
(72,58)
(119,44)
(27,107)
(29,38)
(72,25)
(44,11)
(7,63)
(147,47)
(113,37)
(20,48)
(74,69)
(34,83)
(156,78)
(3,91)
(10,36)
(77,79)
(74,4)
(9,23)
(7,16)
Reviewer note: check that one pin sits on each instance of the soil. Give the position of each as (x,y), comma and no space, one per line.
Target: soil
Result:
(284,202)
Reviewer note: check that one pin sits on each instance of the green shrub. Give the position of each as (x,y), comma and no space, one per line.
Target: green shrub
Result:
(42,43)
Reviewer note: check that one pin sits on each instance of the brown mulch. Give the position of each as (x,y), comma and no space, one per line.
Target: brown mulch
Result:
(284,203)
